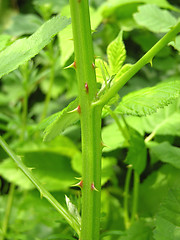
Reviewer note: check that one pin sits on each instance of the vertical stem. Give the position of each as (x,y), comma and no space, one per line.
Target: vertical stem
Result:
(8,211)
(90,119)
(135,196)
(126,198)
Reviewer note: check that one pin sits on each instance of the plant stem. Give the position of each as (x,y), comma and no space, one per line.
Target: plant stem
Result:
(90,117)
(135,196)
(126,198)
(8,211)
(147,58)
(44,193)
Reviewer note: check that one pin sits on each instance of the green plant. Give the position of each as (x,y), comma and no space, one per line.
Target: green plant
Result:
(93,103)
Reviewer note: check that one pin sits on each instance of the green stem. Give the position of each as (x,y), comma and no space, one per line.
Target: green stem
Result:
(8,211)
(135,197)
(126,198)
(51,82)
(44,193)
(147,58)
(90,117)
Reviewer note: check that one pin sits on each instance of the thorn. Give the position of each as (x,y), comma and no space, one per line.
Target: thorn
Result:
(72,65)
(93,188)
(78,109)
(32,168)
(129,166)
(87,88)
(93,65)
(150,62)
(79,184)
(78,178)
(104,145)
(41,195)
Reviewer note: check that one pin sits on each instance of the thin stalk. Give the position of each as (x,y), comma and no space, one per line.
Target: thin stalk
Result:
(150,137)
(147,58)
(51,82)
(44,193)
(135,197)
(7,211)
(90,118)
(126,198)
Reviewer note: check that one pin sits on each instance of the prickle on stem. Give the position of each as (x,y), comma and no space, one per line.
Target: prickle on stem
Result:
(87,88)
(93,188)
(93,65)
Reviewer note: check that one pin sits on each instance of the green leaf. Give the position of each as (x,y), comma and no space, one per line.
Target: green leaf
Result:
(116,53)
(167,153)
(176,43)
(4,39)
(168,218)
(140,230)
(60,121)
(73,210)
(24,24)
(102,70)
(154,18)
(137,152)
(24,49)
(146,101)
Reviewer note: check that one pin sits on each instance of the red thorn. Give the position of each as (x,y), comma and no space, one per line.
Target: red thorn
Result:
(79,109)
(74,64)
(93,188)
(87,88)
(80,184)
(93,65)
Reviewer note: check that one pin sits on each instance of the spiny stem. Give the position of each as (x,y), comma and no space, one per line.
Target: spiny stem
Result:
(8,211)
(72,222)
(90,118)
(138,65)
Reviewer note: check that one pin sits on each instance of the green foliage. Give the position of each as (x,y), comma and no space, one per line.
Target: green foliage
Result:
(154,19)
(24,49)
(116,54)
(148,100)
(137,152)
(167,219)
(60,121)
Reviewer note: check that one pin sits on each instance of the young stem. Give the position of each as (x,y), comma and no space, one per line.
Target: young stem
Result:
(135,196)
(147,58)
(8,211)
(44,193)
(126,198)
(90,117)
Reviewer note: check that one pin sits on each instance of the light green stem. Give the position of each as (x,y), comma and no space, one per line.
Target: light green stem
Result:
(147,58)
(8,211)
(90,117)
(126,198)
(44,193)
(135,197)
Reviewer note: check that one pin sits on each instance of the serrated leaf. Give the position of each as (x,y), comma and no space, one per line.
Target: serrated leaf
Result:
(154,18)
(140,230)
(167,153)
(116,53)
(146,101)
(168,218)
(137,152)
(102,70)
(24,49)
(60,121)
(4,39)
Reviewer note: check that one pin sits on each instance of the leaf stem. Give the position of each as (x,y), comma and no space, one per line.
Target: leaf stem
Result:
(147,58)
(8,211)
(44,193)
(135,197)
(126,198)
